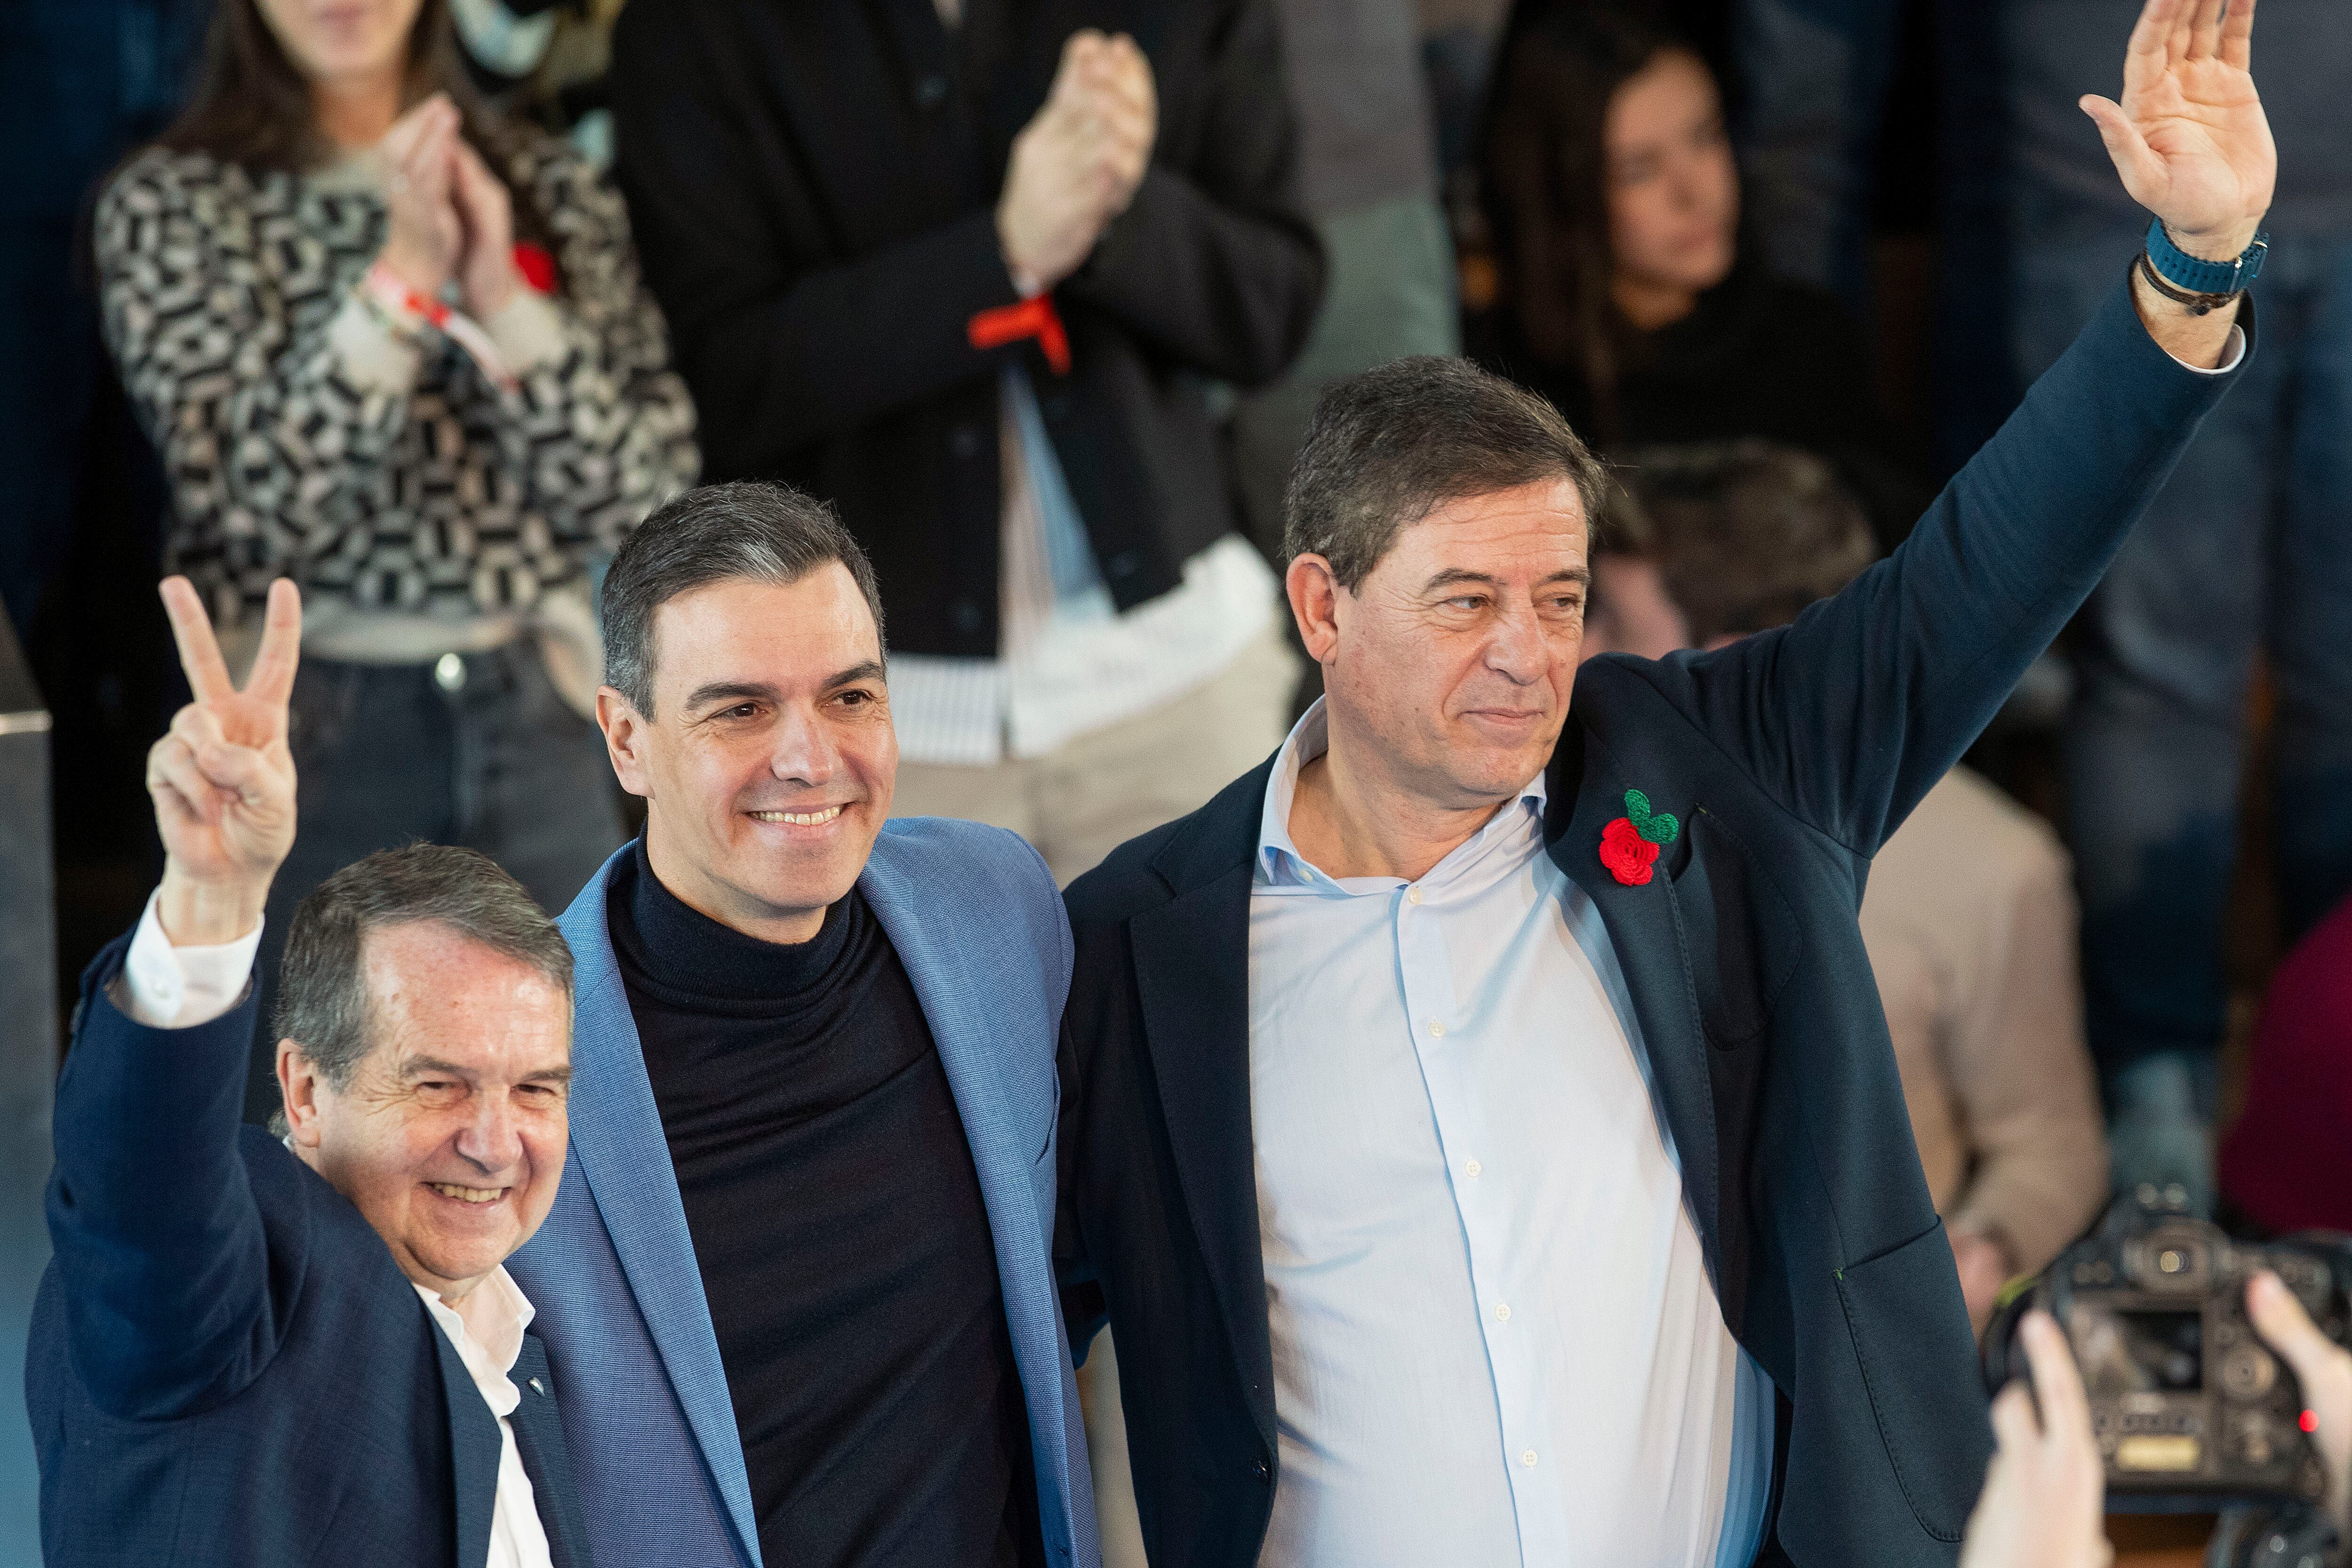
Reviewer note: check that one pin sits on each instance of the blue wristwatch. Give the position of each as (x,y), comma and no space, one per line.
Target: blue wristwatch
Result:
(2219,279)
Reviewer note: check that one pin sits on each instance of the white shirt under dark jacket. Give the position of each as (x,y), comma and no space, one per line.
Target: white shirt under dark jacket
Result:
(1495,1339)
(168,987)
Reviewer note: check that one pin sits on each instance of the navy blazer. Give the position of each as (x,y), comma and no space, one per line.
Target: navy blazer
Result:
(225,1365)
(1790,756)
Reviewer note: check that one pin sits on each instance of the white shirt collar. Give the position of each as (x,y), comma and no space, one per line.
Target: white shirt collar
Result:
(1279,863)
(488,1330)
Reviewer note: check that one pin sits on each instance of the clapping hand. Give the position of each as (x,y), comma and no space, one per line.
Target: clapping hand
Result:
(1077,164)
(2190,138)
(450,217)
(427,236)
(222,778)
(486,276)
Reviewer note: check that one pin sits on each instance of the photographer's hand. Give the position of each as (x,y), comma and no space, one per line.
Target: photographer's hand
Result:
(2044,1494)
(2324,1368)
(222,779)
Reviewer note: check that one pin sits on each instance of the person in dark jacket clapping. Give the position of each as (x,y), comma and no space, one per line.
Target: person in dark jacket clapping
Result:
(966,270)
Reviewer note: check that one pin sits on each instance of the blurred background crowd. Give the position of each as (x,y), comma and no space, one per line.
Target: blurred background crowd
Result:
(424,303)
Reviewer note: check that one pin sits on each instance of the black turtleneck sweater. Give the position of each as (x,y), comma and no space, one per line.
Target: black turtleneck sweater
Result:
(843,1247)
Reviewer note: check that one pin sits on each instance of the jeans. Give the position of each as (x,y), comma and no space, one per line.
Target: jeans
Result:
(2246,549)
(477,751)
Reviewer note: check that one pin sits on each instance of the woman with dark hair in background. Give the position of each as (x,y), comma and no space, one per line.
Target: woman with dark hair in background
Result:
(1613,203)
(395,348)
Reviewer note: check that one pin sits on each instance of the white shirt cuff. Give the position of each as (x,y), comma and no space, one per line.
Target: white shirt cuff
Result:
(167,988)
(529,331)
(372,358)
(2236,351)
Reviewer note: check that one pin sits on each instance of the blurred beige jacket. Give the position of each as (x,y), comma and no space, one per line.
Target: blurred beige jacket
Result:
(1969,919)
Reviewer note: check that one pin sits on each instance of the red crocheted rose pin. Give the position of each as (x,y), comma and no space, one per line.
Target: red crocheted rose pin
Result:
(1629,845)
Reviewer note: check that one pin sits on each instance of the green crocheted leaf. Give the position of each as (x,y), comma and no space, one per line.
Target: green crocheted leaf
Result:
(1658,827)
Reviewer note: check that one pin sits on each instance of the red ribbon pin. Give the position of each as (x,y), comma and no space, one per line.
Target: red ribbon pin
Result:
(1032,318)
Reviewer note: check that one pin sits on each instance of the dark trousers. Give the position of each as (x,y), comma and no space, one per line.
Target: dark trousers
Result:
(481,753)
(2243,550)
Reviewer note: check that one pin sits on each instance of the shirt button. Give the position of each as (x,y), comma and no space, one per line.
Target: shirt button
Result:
(1472,1167)
(1412,895)
(1502,1311)
(1528,1457)
(1437,1030)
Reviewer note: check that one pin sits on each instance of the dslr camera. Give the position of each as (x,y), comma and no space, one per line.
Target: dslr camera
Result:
(2191,1410)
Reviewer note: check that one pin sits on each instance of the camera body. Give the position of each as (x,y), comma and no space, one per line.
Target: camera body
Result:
(2186,1401)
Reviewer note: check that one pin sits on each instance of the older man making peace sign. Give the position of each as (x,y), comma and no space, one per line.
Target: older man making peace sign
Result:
(262,1350)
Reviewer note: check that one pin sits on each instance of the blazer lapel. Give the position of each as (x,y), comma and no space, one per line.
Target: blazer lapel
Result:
(538,1443)
(1645,929)
(1191,970)
(474,1449)
(977,1020)
(617,1135)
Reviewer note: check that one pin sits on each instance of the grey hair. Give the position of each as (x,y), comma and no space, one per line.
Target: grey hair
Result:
(747,531)
(322,992)
(1389,445)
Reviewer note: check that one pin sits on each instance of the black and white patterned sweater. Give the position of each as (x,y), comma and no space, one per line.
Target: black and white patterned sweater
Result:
(303,439)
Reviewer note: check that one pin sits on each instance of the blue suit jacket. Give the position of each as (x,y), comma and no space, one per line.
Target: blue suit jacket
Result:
(977,921)
(1788,757)
(226,1366)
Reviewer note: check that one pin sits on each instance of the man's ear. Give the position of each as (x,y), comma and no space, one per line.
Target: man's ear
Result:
(624,736)
(298,1090)
(1314,594)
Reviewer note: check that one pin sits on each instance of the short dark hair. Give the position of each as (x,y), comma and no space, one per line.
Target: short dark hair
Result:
(322,994)
(749,530)
(1389,445)
(1747,533)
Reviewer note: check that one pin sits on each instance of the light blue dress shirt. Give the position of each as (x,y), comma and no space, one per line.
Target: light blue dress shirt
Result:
(1495,1339)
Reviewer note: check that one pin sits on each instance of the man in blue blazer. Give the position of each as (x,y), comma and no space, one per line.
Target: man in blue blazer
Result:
(301,1348)
(798,1285)
(1479,1125)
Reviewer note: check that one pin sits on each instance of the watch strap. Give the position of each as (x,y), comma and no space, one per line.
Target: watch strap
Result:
(2193,276)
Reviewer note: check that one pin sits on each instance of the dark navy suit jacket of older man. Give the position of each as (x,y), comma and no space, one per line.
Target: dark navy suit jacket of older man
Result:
(225,1365)
(1792,756)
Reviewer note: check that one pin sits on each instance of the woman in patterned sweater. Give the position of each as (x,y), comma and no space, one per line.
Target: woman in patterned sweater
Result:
(396,350)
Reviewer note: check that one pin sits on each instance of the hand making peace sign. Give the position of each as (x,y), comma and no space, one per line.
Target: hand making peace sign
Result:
(223,778)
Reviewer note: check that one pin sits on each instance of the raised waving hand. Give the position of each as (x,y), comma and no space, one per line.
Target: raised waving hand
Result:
(222,777)
(2189,137)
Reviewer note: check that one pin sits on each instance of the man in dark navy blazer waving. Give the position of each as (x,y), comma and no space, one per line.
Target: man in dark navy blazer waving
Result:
(1480,1129)
(304,1348)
